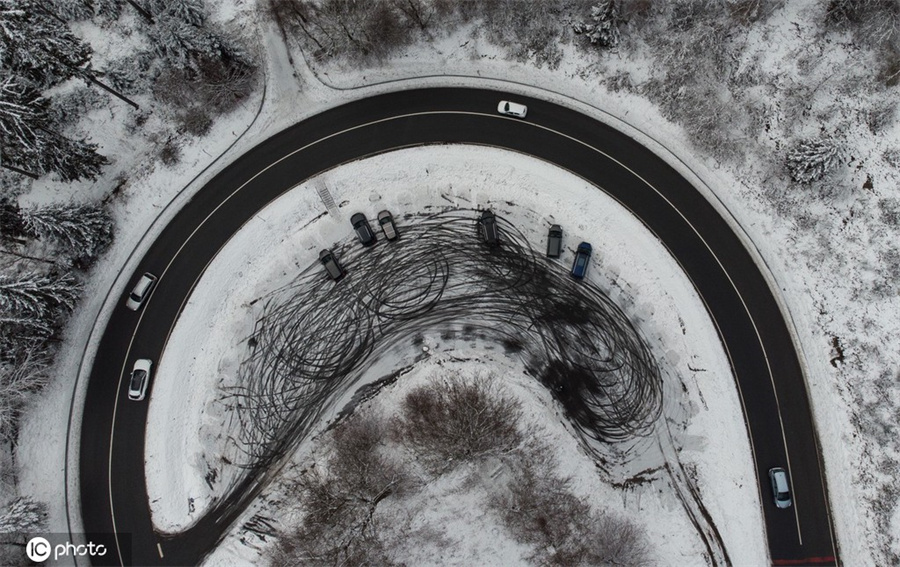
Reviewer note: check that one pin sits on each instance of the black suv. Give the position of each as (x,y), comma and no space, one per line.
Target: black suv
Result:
(490,232)
(363,229)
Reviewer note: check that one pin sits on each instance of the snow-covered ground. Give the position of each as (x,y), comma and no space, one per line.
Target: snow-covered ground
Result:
(456,508)
(629,263)
(832,258)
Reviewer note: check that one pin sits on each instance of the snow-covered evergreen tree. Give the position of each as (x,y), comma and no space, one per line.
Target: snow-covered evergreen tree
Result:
(23,112)
(81,232)
(11,224)
(37,46)
(69,159)
(37,296)
(192,12)
(109,10)
(180,43)
(604,29)
(811,160)
(29,140)
(72,10)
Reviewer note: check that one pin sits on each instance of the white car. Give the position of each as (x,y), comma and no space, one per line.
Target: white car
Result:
(512,109)
(141,291)
(781,490)
(140,377)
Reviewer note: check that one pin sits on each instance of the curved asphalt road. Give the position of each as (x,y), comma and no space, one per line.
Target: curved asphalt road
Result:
(762,354)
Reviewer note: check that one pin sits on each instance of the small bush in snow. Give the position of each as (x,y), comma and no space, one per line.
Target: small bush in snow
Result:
(170,154)
(130,74)
(195,122)
(812,160)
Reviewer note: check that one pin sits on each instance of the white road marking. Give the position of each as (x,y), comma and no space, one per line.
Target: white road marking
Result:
(159,549)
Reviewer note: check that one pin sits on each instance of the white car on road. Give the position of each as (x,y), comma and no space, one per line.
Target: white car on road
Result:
(512,109)
(140,376)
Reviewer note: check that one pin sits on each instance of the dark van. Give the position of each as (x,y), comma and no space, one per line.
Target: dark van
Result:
(554,241)
(582,257)
(332,266)
(490,232)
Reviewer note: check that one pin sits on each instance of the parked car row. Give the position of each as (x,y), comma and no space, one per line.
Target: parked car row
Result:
(490,233)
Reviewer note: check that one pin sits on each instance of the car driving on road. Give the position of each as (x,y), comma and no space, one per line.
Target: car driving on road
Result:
(140,376)
(386,222)
(512,109)
(140,292)
(781,490)
(363,229)
(582,257)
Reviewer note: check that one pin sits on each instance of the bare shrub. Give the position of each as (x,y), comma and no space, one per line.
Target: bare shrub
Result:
(458,421)
(529,31)
(875,23)
(353,30)
(196,122)
(170,154)
(881,117)
(890,67)
(540,509)
(340,499)
(746,12)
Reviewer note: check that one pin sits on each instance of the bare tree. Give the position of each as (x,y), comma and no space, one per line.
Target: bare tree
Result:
(540,509)
(18,383)
(339,501)
(457,421)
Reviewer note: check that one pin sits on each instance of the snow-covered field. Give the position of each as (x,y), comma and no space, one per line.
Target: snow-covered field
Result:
(833,257)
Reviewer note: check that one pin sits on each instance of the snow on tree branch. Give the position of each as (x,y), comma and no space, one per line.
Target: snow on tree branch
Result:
(37,295)
(80,231)
(604,31)
(812,160)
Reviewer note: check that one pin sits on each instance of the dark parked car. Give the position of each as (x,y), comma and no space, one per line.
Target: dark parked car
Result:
(386,221)
(781,491)
(363,229)
(332,266)
(554,241)
(487,225)
(582,257)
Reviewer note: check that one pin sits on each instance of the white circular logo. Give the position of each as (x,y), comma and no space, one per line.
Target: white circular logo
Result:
(38,549)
